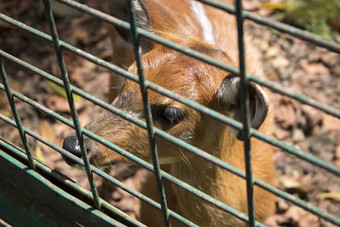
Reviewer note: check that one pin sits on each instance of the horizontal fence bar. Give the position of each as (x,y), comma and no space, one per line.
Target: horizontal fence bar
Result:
(188,102)
(299,97)
(68,92)
(282,27)
(203,109)
(309,101)
(214,160)
(231,9)
(147,113)
(294,95)
(307,157)
(16,115)
(96,170)
(41,168)
(137,160)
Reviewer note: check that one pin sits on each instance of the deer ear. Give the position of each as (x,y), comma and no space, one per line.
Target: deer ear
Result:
(120,9)
(150,16)
(229,98)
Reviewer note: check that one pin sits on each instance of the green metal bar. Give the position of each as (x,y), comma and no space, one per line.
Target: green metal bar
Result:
(149,35)
(70,100)
(303,155)
(244,93)
(200,108)
(139,161)
(147,112)
(302,98)
(41,169)
(296,32)
(260,183)
(94,169)
(16,115)
(294,95)
(214,160)
(307,157)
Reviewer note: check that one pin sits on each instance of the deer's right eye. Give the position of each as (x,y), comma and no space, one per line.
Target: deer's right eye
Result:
(169,115)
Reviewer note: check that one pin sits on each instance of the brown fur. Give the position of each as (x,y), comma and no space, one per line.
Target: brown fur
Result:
(200,82)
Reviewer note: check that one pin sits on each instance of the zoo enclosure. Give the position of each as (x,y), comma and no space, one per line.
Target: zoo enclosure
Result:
(103,211)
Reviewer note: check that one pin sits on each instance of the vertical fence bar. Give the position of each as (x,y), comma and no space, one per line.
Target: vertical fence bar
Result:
(147,112)
(246,116)
(68,90)
(16,116)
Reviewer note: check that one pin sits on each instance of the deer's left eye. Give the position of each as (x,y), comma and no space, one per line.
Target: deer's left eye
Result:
(170,115)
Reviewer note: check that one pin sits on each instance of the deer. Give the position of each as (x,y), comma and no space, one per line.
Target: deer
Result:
(211,32)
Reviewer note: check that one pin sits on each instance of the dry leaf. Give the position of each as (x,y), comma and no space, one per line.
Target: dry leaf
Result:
(302,217)
(61,92)
(38,153)
(276,6)
(330,122)
(335,196)
(46,130)
(288,182)
(293,185)
(314,68)
(6,112)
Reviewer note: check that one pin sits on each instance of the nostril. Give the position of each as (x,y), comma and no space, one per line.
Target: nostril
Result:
(71,144)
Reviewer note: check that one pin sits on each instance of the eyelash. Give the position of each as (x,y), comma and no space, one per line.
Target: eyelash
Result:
(170,115)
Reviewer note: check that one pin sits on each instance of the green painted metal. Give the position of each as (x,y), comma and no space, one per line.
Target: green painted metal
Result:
(181,143)
(64,182)
(138,161)
(16,115)
(38,201)
(94,169)
(275,87)
(70,100)
(264,185)
(196,106)
(147,112)
(244,93)
(248,132)
(298,33)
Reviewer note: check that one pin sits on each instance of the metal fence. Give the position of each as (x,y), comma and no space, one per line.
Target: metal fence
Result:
(36,168)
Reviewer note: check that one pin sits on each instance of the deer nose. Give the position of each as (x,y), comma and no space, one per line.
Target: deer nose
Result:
(71,144)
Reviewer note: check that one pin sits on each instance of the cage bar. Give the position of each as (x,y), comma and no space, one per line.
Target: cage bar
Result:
(147,112)
(244,94)
(273,86)
(189,147)
(70,100)
(16,115)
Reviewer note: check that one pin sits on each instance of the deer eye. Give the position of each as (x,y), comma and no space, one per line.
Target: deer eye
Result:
(170,115)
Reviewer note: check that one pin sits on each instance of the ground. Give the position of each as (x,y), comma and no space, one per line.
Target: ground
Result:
(290,62)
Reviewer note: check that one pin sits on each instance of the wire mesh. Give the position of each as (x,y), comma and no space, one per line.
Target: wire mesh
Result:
(152,131)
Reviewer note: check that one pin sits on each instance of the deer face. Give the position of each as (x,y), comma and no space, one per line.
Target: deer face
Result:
(183,75)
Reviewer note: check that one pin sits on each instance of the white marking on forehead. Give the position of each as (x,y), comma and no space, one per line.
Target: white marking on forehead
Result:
(203,20)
